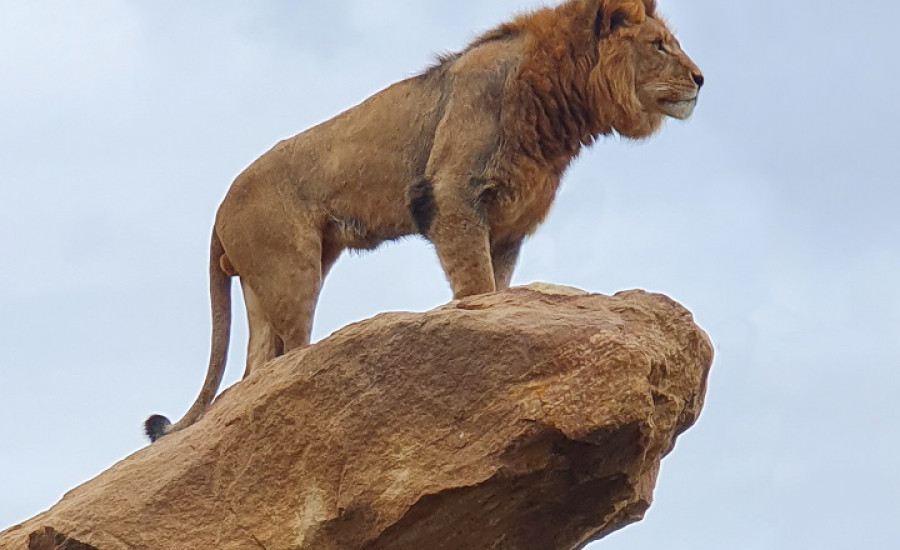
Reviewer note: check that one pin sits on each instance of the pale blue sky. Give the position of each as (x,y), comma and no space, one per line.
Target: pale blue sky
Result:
(772,214)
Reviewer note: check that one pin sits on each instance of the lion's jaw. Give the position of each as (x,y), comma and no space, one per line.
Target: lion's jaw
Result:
(673,96)
(680,108)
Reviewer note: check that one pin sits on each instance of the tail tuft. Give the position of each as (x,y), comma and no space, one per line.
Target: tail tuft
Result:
(156,426)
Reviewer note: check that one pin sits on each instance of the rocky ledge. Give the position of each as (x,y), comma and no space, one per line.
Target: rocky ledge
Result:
(534,418)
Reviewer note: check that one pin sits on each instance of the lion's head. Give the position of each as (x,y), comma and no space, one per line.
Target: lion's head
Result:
(642,75)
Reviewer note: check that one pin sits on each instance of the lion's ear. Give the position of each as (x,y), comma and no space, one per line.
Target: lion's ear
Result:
(614,14)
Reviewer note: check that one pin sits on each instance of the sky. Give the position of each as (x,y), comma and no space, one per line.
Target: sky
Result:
(772,214)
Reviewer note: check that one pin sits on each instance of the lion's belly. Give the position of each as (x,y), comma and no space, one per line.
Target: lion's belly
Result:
(369,213)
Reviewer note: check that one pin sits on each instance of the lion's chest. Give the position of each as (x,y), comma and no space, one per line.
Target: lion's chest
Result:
(521,204)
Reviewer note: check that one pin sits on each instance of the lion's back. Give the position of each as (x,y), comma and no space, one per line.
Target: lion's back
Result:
(381,144)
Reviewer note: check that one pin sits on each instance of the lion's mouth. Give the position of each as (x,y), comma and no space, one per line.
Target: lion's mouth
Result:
(680,109)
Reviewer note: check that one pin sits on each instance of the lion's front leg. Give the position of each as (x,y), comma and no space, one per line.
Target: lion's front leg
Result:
(449,205)
(461,238)
(504,256)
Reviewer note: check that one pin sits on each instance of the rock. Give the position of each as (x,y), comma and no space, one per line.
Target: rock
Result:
(535,418)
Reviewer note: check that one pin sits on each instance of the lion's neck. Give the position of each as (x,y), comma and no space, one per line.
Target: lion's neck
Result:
(553,115)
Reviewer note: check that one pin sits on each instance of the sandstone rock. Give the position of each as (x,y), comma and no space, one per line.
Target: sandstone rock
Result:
(530,419)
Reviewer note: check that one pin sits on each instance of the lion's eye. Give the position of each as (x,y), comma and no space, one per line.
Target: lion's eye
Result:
(659,45)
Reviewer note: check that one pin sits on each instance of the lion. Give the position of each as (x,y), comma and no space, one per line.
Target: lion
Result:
(468,154)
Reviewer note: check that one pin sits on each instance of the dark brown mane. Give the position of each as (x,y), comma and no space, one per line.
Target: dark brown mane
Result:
(569,88)
(552,115)
(564,95)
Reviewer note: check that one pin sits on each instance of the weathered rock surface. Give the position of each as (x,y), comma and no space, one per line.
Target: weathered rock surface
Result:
(530,419)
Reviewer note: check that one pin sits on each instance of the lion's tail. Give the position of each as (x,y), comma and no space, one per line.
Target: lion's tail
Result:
(220,300)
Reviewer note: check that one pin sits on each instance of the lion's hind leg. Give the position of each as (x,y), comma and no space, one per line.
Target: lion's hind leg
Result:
(264,344)
(281,264)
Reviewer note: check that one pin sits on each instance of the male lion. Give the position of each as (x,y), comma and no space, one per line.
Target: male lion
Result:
(468,154)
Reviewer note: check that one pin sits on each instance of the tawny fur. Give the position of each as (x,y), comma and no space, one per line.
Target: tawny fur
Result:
(468,154)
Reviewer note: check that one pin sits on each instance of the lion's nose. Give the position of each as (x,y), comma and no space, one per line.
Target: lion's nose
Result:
(698,80)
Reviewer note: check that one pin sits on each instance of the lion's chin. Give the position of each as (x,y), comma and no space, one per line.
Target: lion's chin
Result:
(679,109)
